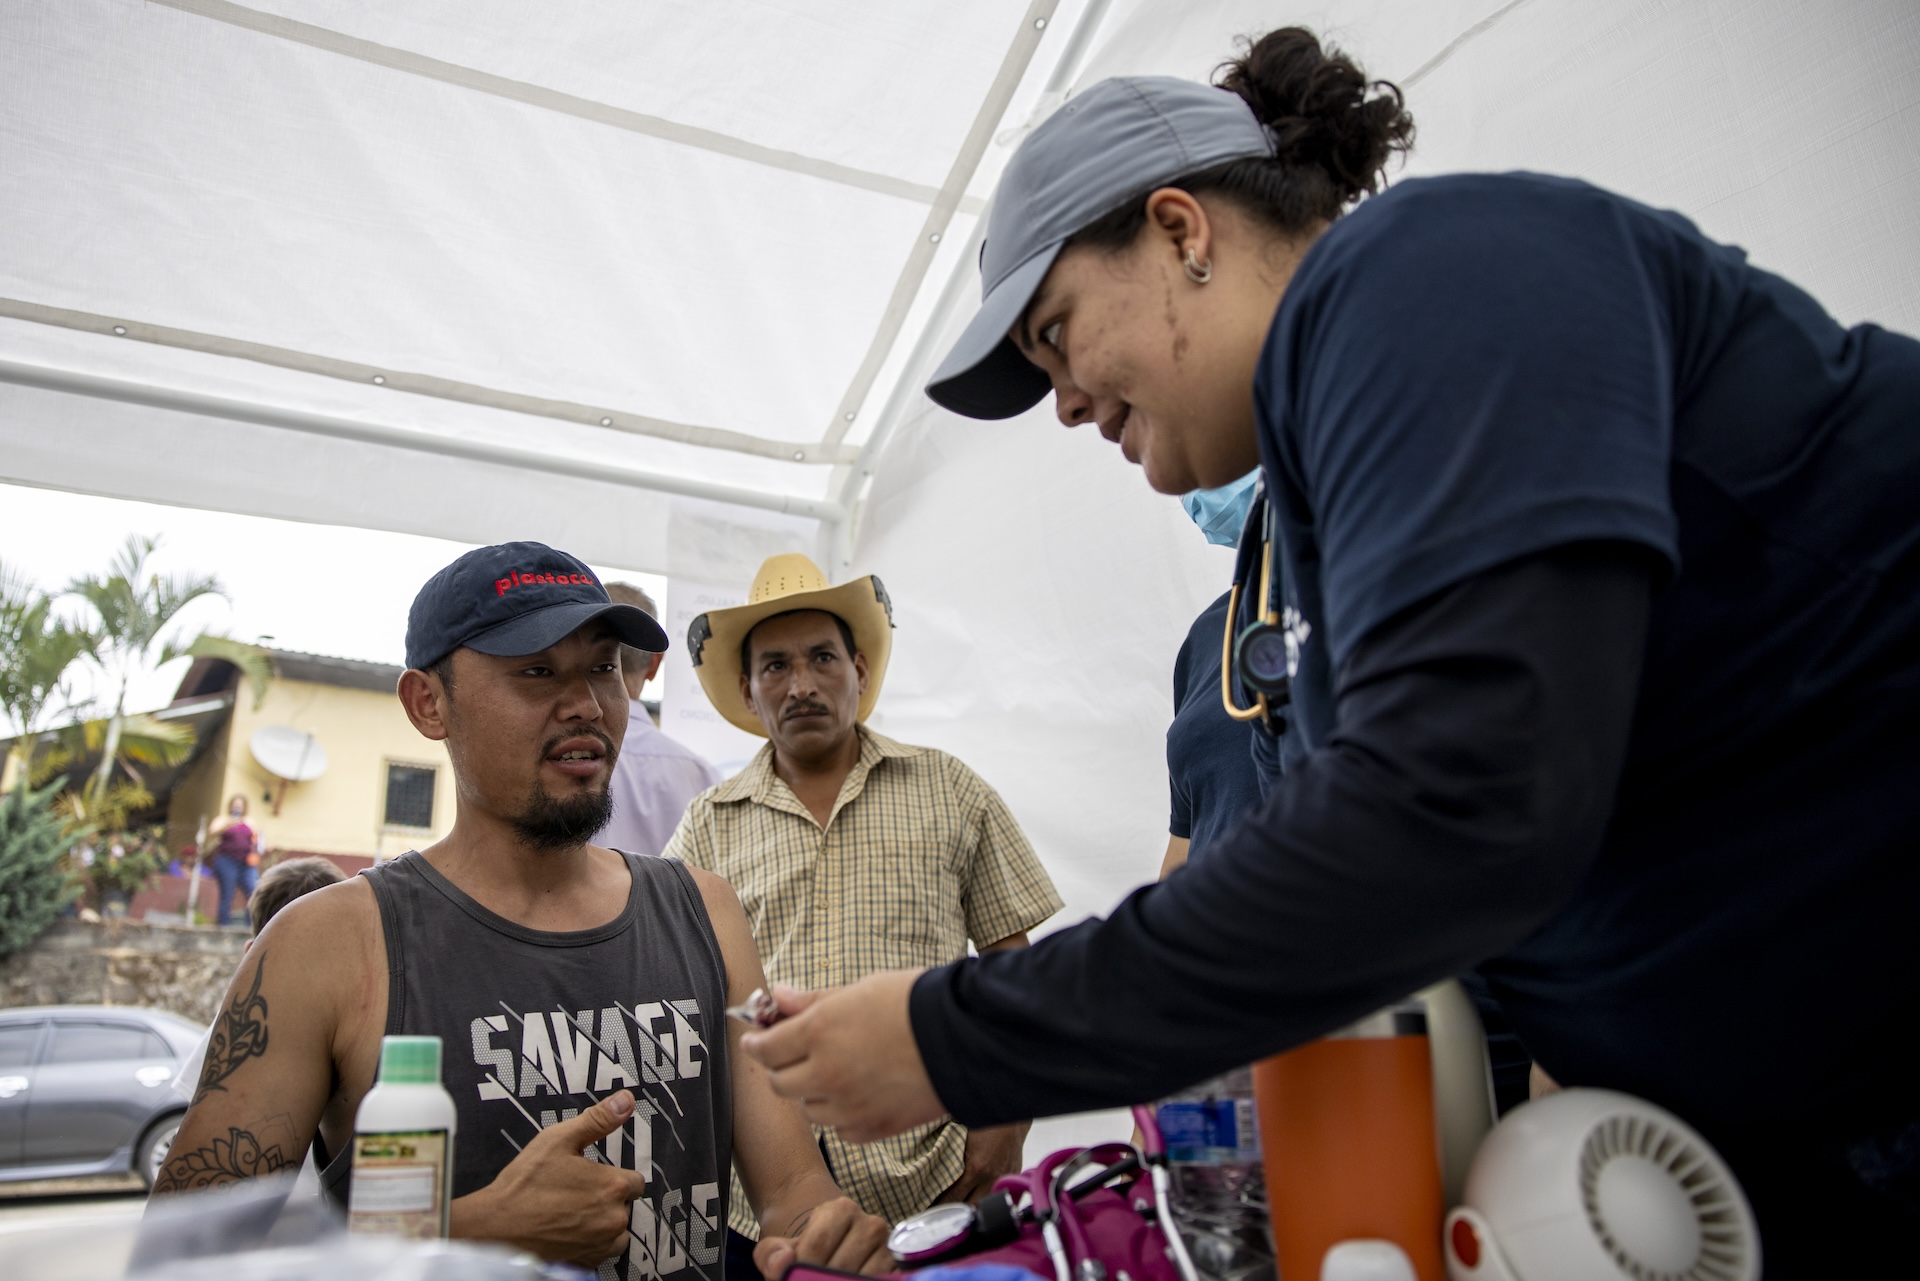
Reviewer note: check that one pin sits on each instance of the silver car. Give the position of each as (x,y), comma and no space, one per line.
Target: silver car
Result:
(88,1089)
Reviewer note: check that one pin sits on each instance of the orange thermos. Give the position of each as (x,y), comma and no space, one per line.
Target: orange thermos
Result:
(1348,1138)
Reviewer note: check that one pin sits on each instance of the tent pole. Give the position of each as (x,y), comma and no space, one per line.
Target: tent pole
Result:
(100,387)
(838,539)
(905,396)
(1006,82)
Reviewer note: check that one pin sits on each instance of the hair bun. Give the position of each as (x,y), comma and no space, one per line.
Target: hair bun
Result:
(1321,109)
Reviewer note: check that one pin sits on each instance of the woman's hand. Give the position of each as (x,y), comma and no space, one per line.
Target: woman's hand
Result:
(849,1057)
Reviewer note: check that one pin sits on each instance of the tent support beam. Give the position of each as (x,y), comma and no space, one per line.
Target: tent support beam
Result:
(905,396)
(100,387)
(306,362)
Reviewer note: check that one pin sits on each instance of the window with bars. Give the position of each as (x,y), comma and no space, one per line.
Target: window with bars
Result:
(410,795)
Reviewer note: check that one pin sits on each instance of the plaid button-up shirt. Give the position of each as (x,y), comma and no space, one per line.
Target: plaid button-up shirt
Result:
(918,856)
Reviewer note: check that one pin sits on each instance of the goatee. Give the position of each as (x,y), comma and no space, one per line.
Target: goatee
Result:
(551,823)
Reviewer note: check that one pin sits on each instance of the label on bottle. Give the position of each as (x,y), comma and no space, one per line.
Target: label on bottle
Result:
(399,1186)
(1210,1130)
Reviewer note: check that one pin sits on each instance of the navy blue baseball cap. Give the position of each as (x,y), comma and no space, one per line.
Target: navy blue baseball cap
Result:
(513,599)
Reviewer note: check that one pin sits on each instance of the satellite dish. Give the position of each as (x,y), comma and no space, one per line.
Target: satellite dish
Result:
(288,753)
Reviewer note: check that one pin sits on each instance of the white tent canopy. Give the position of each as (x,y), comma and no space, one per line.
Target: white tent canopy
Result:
(658,283)
(487,269)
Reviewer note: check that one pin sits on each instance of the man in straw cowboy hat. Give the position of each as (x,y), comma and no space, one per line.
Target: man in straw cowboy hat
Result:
(850,852)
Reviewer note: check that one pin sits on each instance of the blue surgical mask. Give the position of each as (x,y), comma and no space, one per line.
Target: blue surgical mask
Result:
(1221,512)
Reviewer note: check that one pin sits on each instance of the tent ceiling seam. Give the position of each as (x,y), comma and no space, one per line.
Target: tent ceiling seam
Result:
(427,385)
(418,440)
(1013,69)
(1478,29)
(533,95)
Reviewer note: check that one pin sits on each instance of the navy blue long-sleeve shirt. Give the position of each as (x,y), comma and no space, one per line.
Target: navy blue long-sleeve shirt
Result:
(1601,548)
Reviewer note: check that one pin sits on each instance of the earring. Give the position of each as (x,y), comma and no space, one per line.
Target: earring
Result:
(1198,272)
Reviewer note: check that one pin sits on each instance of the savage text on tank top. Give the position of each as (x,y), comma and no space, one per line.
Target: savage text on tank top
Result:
(536,1026)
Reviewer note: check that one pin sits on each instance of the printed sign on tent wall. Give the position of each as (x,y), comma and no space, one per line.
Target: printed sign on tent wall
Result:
(685,713)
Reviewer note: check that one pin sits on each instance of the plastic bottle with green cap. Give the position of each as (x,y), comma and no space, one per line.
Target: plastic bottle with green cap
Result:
(403,1145)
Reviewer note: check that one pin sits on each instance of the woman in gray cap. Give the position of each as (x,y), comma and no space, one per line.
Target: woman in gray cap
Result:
(1589,651)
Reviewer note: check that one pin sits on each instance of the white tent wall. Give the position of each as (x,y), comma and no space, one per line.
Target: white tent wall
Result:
(1042,590)
(1783,127)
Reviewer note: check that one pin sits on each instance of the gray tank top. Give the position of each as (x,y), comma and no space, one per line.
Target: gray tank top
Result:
(535,1026)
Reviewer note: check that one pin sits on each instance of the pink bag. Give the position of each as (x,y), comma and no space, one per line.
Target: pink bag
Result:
(1082,1214)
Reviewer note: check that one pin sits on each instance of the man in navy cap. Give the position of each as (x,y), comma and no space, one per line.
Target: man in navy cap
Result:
(579,994)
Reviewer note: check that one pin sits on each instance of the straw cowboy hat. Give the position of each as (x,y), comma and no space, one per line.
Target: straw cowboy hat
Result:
(784,584)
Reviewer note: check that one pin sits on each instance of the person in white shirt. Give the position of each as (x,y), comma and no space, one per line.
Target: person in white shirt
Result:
(655,776)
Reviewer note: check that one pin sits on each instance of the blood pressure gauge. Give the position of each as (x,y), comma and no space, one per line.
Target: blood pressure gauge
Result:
(931,1233)
(947,1230)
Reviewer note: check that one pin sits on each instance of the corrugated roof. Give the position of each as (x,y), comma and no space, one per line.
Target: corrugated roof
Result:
(325,669)
(212,676)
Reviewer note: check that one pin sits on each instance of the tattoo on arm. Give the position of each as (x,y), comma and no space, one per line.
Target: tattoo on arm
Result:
(239,1034)
(240,1155)
(800,1221)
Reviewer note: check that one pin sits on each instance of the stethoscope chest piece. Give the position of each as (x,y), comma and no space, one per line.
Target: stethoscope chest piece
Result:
(1261,654)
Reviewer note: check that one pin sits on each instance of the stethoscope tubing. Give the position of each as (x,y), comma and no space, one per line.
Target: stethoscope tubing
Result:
(1054,1206)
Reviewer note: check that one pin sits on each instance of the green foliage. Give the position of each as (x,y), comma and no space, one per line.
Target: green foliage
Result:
(34,885)
(144,741)
(127,862)
(36,652)
(255,663)
(134,608)
(109,811)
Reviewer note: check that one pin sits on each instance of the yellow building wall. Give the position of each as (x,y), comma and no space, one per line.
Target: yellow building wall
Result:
(340,812)
(197,794)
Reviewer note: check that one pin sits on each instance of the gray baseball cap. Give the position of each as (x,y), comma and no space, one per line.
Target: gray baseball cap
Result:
(1117,141)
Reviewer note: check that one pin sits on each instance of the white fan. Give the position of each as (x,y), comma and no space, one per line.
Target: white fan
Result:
(1590,1185)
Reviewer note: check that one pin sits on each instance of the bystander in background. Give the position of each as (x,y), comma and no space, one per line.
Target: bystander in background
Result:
(654,776)
(236,857)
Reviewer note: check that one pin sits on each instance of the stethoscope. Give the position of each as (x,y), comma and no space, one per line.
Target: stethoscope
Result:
(1257,654)
(1048,1195)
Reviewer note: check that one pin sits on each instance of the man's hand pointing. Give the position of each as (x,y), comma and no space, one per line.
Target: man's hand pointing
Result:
(554,1201)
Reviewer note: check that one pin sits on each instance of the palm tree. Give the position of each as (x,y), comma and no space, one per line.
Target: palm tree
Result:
(36,652)
(135,607)
(146,742)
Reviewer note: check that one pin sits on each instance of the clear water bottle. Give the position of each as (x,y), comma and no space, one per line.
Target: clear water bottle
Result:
(1212,1133)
